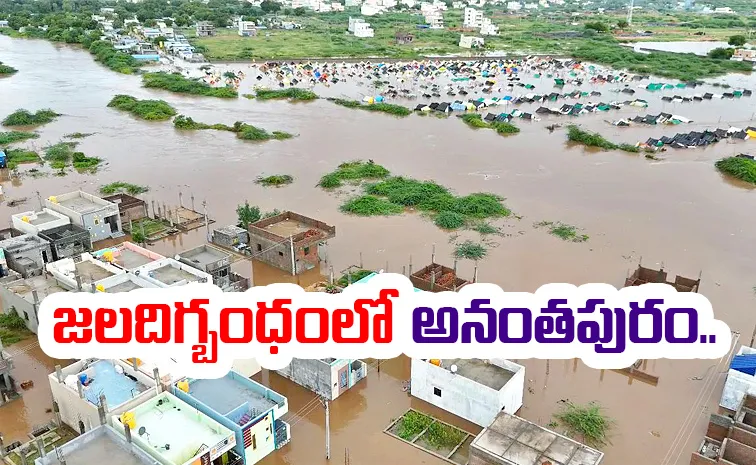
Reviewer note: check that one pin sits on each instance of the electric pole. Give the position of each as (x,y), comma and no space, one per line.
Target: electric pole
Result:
(630,12)
(324,401)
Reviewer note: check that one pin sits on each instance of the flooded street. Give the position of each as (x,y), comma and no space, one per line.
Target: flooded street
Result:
(679,211)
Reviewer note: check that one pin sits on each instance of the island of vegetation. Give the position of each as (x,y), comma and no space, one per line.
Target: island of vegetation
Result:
(563,231)
(179,84)
(6,70)
(589,139)
(26,118)
(21,156)
(16,136)
(474,120)
(276,180)
(150,110)
(390,108)
(739,167)
(62,154)
(120,186)
(243,131)
(292,94)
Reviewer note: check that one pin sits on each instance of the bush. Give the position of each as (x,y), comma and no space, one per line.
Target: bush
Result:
(738,167)
(26,118)
(120,186)
(737,40)
(177,83)
(563,231)
(12,321)
(275,180)
(292,93)
(16,136)
(113,59)
(6,70)
(575,134)
(476,121)
(721,53)
(353,171)
(187,123)
(469,250)
(151,110)
(396,110)
(20,156)
(449,220)
(370,205)
(587,422)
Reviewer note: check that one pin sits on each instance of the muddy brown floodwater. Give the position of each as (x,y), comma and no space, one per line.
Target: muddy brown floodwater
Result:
(678,211)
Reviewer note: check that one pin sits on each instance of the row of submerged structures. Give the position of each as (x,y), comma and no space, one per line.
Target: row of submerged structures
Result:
(136,411)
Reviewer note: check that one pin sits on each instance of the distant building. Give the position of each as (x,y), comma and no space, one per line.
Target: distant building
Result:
(360,28)
(435,19)
(249,409)
(247,28)
(744,54)
(205,29)
(476,390)
(217,263)
(511,440)
(25,294)
(336,6)
(403,38)
(100,217)
(471,42)
(488,28)
(514,6)
(130,208)
(473,18)
(3,23)
(724,11)
(353,3)
(82,273)
(327,377)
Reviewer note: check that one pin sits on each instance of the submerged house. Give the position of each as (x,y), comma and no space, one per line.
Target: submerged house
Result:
(473,389)
(327,377)
(730,440)
(644,275)
(437,278)
(244,406)
(216,263)
(97,216)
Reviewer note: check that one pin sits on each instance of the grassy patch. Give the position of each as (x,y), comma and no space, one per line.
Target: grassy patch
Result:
(147,229)
(594,139)
(78,135)
(177,83)
(84,163)
(353,171)
(16,136)
(20,156)
(476,121)
(62,154)
(370,205)
(13,327)
(276,180)
(739,168)
(563,231)
(443,436)
(449,220)
(396,110)
(150,110)
(6,70)
(23,117)
(120,186)
(352,277)
(412,424)
(586,422)
(470,250)
(119,62)
(249,96)
(248,132)
(292,93)
(187,123)
(486,228)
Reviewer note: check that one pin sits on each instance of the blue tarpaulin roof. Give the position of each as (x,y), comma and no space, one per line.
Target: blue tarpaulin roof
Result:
(744,364)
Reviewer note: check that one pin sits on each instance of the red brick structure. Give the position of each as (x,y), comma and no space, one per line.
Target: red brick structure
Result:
(730,441)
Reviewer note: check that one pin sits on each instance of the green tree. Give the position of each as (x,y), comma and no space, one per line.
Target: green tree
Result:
(247,214)
(597,26)
(622,24)
(737,40)
(269,6)
(721,53)
(299,11)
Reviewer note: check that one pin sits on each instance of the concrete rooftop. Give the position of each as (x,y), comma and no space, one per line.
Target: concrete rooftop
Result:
(130,259)
(479,371)
(80,205)
(99,446)
(288,227)
(514,441)
(228,393)
(42,218)
(91,273)
(203,256)
(44,287)
(169,275)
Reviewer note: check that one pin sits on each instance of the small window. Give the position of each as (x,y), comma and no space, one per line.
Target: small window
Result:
(280,254)
(96,221)
(26,316)
(259,247)
(254,442)
(307,251)
(223,273)
(437,391)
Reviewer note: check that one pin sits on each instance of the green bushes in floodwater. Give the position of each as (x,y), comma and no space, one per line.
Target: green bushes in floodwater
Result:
(119,62)
(292,93)
(470,250)
(62,154)
(353,171)
(120,186)
(277,180)
(6,70)
(370,205)
(563,231)
(738,167)
(177,83)
(16,136)
(20,156)
(151,110)
(23,117)
(594,139)
(396,110)
(476,121)
(587,422)
(243,131)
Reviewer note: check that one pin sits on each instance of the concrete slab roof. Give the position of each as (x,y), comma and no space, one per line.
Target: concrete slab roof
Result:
(480,371)
(512,440)
(100,445)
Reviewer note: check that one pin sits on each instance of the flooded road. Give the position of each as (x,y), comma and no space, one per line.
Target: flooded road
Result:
(678,211)
(19,417)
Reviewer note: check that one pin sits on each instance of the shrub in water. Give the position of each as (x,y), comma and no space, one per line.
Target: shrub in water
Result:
(26,118)
(449,220)
(370,205)
(151,110)
(738,167)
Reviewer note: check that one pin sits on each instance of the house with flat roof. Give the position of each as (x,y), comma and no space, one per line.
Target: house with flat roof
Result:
(130,208)
(175,433)
(99,446)
(216,263)
(511,440)
(730,440)
(67,241)
(25,294)
(123,283)
(289,241)
(101,218)
(476,390)
(327,377)
(168,272)
(82,273)
(26,254)
(127,255)
(31,222)
(80,388)
(244,406)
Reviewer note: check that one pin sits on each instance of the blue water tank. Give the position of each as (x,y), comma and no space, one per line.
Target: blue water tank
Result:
(83,378)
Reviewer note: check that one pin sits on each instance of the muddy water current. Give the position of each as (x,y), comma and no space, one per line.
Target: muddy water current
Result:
(677,210)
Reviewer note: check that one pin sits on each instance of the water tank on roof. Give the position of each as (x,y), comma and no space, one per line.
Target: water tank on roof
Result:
(53,199)
(25,219)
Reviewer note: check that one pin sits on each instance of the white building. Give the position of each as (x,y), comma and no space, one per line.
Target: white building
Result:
(435,19)
(247,28)
(360,28)
(369,10)
(458,5)
(353,3)
(725,11)
(336,6)
(470,41)
(514,6)
(488,28)
(473,18)
(473,389)
(531,6)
